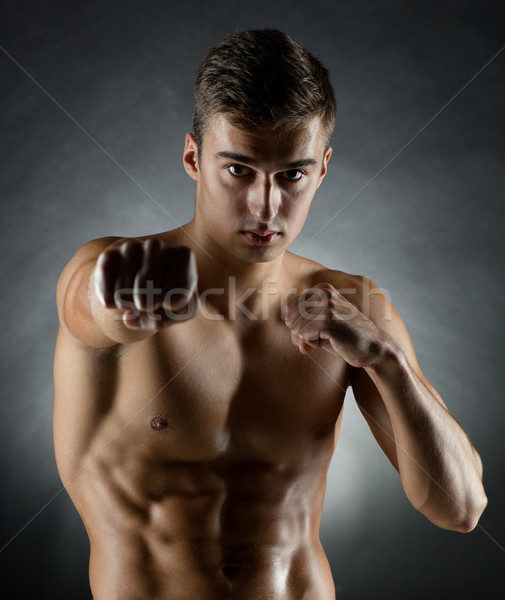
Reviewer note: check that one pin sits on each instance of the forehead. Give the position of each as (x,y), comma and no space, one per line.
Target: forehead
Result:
(221,135)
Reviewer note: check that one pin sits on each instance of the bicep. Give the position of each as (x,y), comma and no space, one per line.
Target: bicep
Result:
(387,319)
(85,387)
(380,310)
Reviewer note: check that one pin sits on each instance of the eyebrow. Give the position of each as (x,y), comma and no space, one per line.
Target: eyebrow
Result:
(247,160)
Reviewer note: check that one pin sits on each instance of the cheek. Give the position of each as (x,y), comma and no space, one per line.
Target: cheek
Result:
(221,188)
(217,195)
(296,207)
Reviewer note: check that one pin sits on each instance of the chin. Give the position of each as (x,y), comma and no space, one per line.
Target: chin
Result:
(261,259)
(256,255)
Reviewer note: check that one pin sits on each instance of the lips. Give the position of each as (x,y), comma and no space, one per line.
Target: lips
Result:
(261,232)
(259,237)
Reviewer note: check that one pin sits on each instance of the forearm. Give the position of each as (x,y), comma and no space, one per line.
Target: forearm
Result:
(440,470)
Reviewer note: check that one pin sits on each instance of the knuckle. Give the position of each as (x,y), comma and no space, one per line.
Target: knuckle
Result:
(131,249)
(152,246)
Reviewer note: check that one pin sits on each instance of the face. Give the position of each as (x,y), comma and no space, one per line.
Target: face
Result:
(253,191)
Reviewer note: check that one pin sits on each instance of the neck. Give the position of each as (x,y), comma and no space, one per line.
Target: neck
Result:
(255,286)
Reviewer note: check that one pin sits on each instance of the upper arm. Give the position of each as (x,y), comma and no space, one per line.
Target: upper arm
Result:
(71,294)
(374,304)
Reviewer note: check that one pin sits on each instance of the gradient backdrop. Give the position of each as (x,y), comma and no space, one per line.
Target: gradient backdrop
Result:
(95,102)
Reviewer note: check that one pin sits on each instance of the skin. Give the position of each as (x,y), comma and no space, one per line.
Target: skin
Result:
(196,450)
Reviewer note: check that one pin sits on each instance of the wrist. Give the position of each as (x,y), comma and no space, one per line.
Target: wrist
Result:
(387,357)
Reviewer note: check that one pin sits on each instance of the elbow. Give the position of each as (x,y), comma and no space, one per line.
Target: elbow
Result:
(461,520)
(471,518)
(466,526)
(467,521)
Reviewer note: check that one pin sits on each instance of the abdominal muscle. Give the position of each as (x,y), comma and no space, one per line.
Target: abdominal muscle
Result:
(203,531)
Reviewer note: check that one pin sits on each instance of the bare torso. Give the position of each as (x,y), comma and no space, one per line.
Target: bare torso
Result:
(197,458)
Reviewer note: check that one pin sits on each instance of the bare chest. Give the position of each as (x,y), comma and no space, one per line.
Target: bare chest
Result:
(202,389)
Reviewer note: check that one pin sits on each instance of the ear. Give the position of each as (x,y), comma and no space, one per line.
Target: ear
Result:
(190,157)
(324,168)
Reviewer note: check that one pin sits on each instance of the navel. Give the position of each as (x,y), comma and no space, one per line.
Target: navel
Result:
(160,422)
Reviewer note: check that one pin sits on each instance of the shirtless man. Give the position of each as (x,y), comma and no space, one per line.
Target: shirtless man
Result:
(200,373)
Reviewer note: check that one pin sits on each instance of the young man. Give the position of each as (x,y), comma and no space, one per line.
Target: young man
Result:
(200,373)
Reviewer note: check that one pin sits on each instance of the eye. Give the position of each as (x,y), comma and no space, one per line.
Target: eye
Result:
(293,174)
(238,170)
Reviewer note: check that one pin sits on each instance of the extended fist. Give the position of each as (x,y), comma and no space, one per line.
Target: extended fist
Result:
(154,284)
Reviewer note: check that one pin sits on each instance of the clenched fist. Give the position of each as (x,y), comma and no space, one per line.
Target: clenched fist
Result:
(321,317)
(155,284)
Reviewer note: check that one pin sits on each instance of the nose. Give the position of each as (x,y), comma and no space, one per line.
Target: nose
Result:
(265,201)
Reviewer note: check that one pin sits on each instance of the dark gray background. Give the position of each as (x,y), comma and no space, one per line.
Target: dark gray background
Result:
(428,229)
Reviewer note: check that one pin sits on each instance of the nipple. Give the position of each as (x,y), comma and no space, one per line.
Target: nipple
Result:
(159,423)
(229,571)
(321,433)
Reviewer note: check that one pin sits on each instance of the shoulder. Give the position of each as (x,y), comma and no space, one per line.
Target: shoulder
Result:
(71,287)
(372,301)
(364,294)
(88,251)
(307,273)
(360,290)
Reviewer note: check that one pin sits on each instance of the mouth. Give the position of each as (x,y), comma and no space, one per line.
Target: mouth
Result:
(264,238)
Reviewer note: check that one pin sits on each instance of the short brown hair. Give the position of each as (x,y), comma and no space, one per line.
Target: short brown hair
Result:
(262,79)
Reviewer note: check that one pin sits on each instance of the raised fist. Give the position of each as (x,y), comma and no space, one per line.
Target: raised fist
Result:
(153,284)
